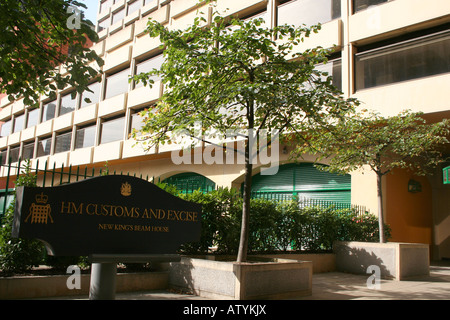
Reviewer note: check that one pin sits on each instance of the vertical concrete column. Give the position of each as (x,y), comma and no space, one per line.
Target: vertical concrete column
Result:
(103,281)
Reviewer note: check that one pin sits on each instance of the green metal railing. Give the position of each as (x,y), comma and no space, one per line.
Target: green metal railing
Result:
(47,176)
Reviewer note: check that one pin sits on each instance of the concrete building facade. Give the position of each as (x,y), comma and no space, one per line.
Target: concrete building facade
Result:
(390,54)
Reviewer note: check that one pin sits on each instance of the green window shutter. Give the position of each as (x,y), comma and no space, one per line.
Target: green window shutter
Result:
(306,181)
(188,182)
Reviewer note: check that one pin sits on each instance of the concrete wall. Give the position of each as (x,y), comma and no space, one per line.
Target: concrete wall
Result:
(397,261)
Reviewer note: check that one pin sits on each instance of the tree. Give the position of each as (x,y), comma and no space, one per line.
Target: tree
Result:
(382,143)
(39,36)
(231,75)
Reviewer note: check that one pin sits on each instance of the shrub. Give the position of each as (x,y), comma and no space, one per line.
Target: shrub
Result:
(275,226)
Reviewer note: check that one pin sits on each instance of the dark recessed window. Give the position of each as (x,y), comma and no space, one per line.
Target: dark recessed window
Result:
(44,147)
(104,24)
(28,151)
(14,154)
(85,137)
(62,142)
(408,60)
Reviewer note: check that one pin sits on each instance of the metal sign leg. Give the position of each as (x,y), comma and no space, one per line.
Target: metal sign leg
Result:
(103,281)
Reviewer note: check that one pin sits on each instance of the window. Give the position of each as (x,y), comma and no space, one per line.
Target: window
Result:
(407,60)
(146,2)
(44,147)
(48,111)
(308,12)
(136,121)
(19,123)
(6,128)
(93,96)
(14,154)
(105,5)
(117,83)
(334,69)
(3,156)
(32,117)
(67,104)
(359,5)
(85,137)
(104,24)
(117,16)
(112,130)
(62,142)
(154,62)
(134,6)
(28,151)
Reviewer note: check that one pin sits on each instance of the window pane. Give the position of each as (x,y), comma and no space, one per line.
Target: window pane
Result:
(62,142)
(405,61)
(68,104)
(85,137)
(146,2)
(134,6)
(112,130)
(43,148)
(148,65)
(32,118)
(19,122)
(6,128)
(49,111)
(105,5)
(136,121)
(119,15)
(309,12)
(3,156)
(94,96)
(359,5)
(28,151)
(14,154)
(117,83)
(334,69)
(103,24)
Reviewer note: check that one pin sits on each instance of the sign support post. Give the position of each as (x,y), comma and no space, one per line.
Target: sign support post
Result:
(103,281)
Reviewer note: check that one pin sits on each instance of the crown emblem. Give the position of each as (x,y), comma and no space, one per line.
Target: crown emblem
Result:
(41,198)
(125,190)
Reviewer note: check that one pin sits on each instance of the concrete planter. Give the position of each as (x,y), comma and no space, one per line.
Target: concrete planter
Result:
(273,279)
(27,287)
(397,261)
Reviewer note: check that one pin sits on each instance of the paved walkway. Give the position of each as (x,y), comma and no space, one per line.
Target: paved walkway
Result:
(341,286)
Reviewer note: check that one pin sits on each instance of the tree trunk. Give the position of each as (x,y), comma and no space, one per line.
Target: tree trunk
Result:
(380,208)
(243,243)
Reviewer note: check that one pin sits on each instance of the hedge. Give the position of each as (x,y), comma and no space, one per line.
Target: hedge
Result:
(276,226)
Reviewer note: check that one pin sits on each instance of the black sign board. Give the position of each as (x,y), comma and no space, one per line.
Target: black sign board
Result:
(106,215)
